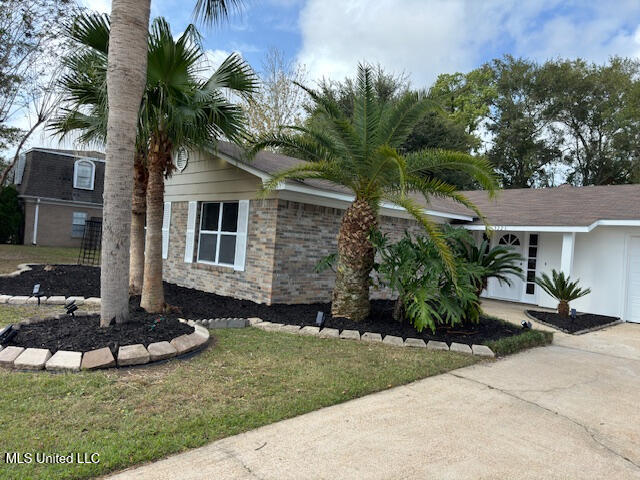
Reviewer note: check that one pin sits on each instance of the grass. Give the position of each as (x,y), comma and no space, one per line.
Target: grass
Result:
(517,343)
(13,255)
(248,379)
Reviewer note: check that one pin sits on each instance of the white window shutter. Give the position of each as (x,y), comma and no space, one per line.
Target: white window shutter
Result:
(166,222)
(241,238)
(191,232)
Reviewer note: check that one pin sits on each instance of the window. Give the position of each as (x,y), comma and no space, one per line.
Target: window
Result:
(77,224)
(84,174)
(509,240)
(218,232)
(531,264)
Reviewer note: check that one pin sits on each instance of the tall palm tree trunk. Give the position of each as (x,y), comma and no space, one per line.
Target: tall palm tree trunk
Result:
(355,261)
(152,290)
(126,78)
(138,213)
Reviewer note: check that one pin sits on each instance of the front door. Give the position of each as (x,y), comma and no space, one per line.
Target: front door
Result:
(633,281)
(503,291)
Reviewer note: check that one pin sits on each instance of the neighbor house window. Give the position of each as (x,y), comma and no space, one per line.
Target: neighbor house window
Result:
(218,232)
(84,174)
(77,224)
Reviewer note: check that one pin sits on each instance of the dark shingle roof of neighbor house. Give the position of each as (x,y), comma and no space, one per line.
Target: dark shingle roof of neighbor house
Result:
(553,206)
(48,173)
(75,153)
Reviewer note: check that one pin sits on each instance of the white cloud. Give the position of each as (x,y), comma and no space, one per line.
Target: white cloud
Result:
(428,37)
(102,6)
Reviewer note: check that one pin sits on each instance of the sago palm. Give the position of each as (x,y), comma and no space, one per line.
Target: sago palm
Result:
(499,262)
(562,289)
(361,153)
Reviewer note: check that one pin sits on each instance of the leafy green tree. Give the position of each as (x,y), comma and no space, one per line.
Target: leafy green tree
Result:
(524,144)
(599,113)
(562,289)
(361,153)
(10,215)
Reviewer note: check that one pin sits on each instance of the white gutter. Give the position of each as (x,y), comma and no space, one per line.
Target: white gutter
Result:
(318,192)
(35,223)
(56,201)
(559,229)
(64,154)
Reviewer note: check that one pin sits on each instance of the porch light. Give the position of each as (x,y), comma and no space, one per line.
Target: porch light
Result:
(71,307)
(320,319)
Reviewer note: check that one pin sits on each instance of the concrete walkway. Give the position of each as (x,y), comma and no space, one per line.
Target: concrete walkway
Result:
(571,410)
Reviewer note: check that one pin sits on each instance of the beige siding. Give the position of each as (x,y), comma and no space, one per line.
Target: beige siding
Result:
(54,224)
(209,178)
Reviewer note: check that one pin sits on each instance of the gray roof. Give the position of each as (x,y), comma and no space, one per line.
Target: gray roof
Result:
(559,206)
(272,163)
(554,206)
(48,173)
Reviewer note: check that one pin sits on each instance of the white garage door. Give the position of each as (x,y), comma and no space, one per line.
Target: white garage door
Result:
(633,281)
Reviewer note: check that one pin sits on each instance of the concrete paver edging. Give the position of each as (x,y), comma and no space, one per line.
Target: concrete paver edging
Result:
(369,337)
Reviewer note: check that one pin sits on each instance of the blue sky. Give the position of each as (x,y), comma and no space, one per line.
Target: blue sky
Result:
(422,38)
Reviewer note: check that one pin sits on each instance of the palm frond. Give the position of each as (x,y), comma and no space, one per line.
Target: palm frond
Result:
(212,12)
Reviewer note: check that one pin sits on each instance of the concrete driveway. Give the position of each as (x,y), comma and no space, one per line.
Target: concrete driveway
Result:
(567,411)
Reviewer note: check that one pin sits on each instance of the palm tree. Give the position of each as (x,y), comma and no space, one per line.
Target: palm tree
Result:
(181,110)
(126,78)
(562,289)
(361,153)
(178,109)
(84,84)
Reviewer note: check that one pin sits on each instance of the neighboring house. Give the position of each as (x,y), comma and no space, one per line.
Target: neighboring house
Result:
(60,190)
(219,237)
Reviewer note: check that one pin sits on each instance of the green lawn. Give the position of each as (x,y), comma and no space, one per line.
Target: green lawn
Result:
(13,255)
(248,379)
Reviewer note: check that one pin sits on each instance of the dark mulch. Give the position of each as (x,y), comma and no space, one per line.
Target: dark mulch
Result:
(67,280)
(195,304)
(583,321)
(83,333)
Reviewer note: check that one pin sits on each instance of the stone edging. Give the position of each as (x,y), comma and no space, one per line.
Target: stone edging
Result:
(33,359)
(579,332)
(22,267)
(481,350)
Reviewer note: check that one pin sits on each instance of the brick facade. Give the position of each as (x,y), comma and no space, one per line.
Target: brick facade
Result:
(284,243)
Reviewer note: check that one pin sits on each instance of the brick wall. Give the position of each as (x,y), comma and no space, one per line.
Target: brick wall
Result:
(285,241)
(254,283)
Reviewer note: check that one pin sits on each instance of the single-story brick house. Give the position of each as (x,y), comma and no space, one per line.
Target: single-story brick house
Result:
(59,190)
(220,238)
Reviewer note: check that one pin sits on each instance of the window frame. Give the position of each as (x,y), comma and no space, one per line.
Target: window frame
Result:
(92,177)
(73,224)
(219,232)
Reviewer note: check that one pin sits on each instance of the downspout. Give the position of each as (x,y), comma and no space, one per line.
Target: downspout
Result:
(35,222)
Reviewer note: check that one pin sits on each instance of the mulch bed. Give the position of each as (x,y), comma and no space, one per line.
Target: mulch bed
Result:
(83,333)
(583,321)
(195,304)
(67,280)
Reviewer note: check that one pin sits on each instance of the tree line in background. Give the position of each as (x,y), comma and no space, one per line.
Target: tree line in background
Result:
(538,124)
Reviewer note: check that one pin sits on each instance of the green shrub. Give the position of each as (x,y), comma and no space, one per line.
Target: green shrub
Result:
(428,296)
(10,215)
(499,262)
